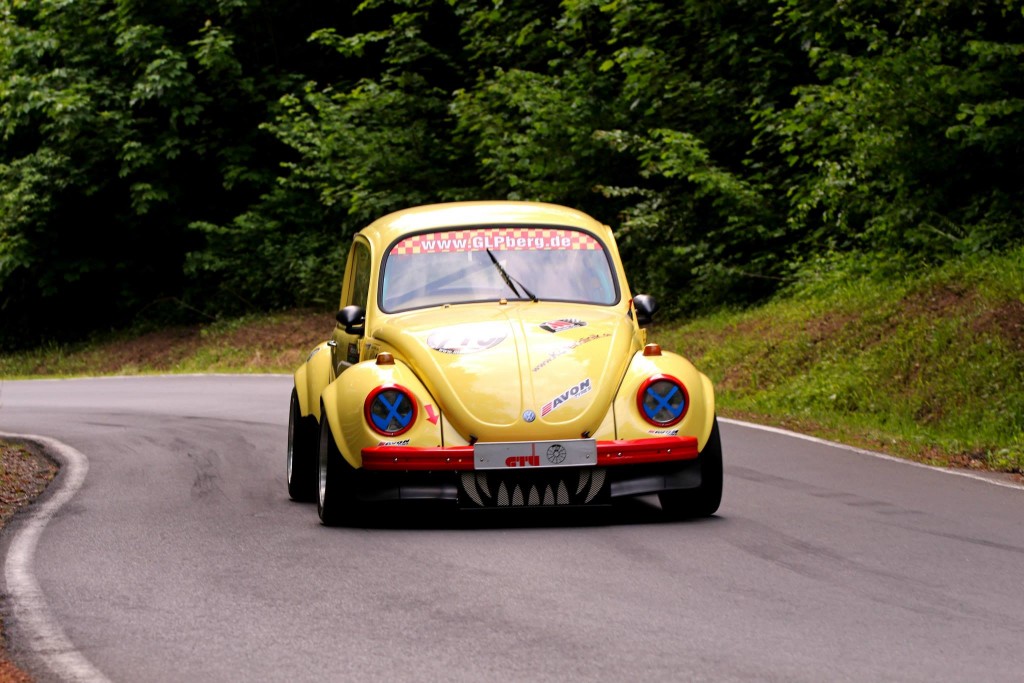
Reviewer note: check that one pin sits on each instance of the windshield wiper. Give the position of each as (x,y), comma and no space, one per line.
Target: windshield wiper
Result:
(509,279)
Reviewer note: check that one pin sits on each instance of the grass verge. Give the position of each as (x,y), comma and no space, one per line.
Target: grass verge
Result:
(926,365)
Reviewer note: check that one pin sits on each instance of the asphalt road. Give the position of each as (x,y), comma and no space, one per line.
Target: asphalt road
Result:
(168,550)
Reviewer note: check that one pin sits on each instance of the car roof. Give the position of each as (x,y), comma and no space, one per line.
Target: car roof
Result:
(391,227)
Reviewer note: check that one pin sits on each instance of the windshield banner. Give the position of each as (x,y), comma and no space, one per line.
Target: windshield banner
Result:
(498,239)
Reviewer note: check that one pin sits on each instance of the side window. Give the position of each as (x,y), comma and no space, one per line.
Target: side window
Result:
(361,276)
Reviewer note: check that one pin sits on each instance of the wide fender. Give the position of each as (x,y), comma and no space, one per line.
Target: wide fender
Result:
(345,402)
(700,409)
(312,378)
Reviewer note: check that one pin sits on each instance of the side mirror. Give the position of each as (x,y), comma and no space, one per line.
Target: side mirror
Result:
(353,318)
(645,306)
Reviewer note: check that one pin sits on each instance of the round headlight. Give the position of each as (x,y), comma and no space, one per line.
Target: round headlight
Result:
(662,400)
(390,410)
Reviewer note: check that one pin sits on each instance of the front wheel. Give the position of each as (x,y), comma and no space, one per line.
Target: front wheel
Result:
(704,500)
(336,492)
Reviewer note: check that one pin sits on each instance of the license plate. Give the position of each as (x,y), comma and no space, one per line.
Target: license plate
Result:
(524,454)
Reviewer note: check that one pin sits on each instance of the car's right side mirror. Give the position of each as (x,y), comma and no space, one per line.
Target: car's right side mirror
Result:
(353,318)
(645,306)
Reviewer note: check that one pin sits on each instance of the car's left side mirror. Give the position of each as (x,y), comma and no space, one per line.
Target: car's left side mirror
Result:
(353,318)
(645,306)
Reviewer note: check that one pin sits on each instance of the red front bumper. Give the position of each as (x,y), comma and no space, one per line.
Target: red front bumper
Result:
(609,454)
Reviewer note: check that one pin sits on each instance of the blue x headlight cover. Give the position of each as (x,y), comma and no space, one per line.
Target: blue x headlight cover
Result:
(662,400)
(390,410)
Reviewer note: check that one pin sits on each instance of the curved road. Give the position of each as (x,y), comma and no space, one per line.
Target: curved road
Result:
(176,555)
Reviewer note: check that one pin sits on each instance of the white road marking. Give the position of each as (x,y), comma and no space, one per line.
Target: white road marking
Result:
(44,637)
(873,454)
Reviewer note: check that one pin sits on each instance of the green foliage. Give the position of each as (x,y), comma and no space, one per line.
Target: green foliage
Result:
(188,158)
(711,233)
(532,135)
(122,123)
(360,148)
(904,142)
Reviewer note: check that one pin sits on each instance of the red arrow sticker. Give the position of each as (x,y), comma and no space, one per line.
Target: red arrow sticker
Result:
(431,415)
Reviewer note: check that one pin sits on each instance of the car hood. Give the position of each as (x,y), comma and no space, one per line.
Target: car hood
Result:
(518,371)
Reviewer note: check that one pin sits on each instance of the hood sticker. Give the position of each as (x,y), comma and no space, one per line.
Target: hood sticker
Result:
(468,338)
(567,395)
(569,347)
(562,324)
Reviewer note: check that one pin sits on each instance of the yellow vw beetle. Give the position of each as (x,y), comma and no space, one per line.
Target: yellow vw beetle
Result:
(491,354)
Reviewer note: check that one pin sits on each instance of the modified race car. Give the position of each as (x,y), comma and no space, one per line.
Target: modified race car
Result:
(491,355)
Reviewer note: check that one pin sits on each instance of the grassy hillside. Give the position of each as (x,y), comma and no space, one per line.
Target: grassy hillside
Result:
(928,365)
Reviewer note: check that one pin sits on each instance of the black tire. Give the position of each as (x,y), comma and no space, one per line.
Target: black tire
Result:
(302,455)
(704,500)
(336,491)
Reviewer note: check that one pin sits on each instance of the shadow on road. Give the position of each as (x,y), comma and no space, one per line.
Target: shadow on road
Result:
(629,511)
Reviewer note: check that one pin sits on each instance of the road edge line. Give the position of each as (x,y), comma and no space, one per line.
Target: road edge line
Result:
(41,633)
(873,454)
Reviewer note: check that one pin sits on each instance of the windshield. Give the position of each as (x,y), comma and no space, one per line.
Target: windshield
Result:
(488,264)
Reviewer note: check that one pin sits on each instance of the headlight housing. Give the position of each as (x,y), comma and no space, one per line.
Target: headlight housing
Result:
(662,400)
(390,410)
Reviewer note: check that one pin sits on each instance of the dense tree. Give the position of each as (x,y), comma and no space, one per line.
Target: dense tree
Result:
(361,146)
(122,123)
(182,158)
(909,140)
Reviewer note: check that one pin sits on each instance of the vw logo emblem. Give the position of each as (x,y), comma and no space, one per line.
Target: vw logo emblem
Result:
(529,416)
(556,454)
